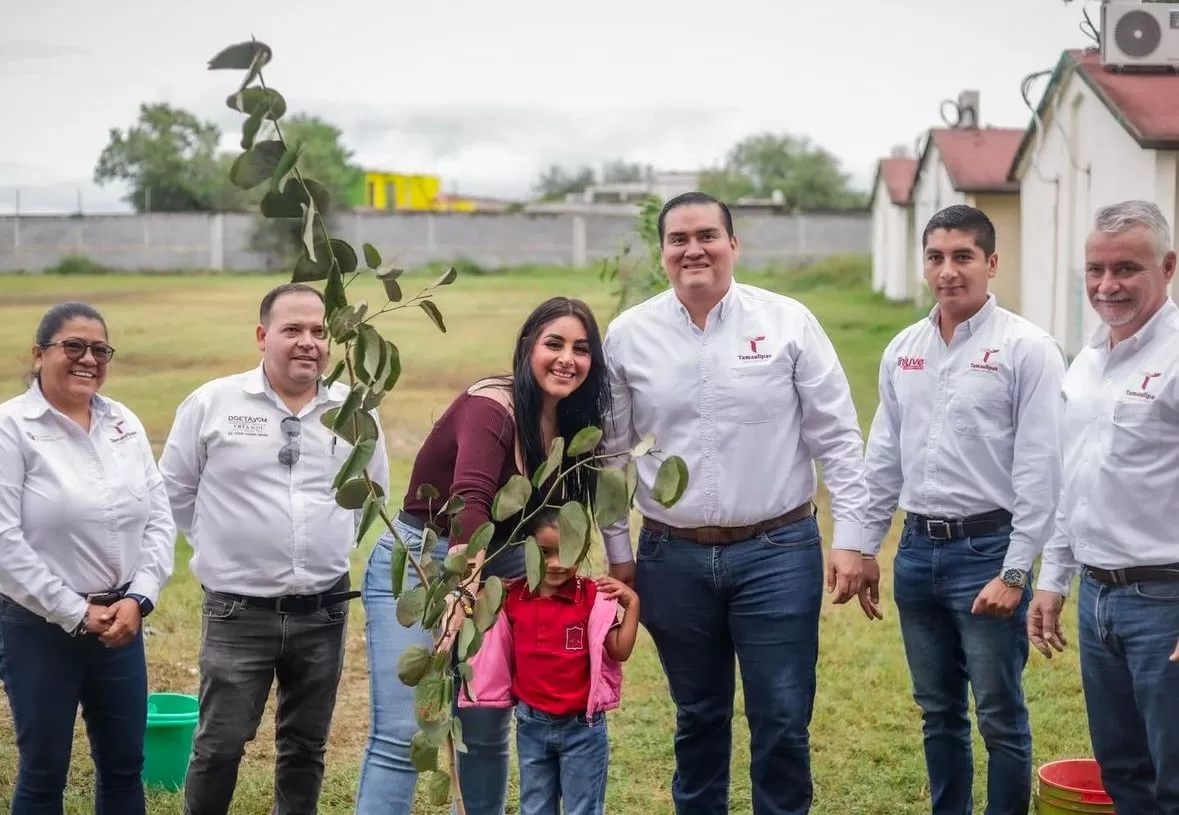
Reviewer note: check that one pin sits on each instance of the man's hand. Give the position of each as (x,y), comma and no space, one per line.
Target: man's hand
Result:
(624,572)
(870,593)
(98,619)
(997,599)
(844,570)
(122,622)
(1044,623)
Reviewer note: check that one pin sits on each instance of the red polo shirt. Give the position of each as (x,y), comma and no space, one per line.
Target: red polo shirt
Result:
(551,640)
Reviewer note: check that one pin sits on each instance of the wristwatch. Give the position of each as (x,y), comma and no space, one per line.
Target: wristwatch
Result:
(145,605)
(1015,578)
(80,628)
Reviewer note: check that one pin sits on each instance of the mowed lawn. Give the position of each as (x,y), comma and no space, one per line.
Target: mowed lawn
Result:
(173,333)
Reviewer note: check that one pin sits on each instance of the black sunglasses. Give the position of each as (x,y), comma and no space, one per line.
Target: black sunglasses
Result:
(75,349)
(292,431)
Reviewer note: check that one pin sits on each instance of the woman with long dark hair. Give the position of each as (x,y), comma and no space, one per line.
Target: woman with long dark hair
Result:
(499,427)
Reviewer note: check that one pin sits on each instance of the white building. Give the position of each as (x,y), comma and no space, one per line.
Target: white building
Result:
(1099,137)
(893,256)
(970,165)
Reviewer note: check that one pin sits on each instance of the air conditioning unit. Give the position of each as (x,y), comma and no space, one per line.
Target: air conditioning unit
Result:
(1139,35)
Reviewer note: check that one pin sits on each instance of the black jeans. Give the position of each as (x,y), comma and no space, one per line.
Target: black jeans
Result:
(47,674)
(243,649)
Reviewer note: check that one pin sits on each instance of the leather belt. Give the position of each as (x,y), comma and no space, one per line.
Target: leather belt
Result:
(107,598)
(714,535)
(944,529)
(299,603)
(1134,574)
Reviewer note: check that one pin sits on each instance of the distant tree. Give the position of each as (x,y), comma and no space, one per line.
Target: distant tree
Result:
(807,176)
(556,182)
(624,172)
(168,158)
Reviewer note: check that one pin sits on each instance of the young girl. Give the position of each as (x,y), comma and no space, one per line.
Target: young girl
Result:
(557,655)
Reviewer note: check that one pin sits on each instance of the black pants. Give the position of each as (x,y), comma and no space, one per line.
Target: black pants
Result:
(243,649)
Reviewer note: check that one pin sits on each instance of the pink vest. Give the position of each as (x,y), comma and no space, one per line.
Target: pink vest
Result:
(491,680)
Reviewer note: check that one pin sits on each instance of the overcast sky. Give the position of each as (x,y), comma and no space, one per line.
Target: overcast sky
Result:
(486,94)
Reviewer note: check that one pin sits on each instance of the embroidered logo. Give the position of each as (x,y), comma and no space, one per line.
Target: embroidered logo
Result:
(575,637)
(1148,378)
(122,435)
(257,426)
(911,363)
(753,352)
(986,364)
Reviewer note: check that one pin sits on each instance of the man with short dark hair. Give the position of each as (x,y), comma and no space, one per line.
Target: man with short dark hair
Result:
(1116,521)
(249,467)
(744,385)
(964,440)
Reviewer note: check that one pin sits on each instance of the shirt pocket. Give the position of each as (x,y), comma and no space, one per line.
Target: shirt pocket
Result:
(751,395)
(130,471)
(1134,433)
(980,408)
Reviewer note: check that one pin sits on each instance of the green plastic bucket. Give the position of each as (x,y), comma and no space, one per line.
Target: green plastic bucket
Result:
(1071,786)
(171,723)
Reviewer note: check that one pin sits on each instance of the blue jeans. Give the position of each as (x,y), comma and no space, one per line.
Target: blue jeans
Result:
(756,601)
(563,762)
(1127,635)
(47,675)
(387,778)
(952,651)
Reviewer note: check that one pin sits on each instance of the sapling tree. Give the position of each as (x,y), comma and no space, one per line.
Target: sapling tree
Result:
(370,365)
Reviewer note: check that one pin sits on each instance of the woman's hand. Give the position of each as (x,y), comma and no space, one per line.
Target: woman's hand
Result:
(460,604)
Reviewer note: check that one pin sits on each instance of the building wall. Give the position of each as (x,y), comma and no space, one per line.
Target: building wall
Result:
(891,251)
(1084,160)
(1004,211)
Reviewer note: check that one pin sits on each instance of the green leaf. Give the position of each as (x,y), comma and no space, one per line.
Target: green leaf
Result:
(454,505)
(573,526)
(358,459)
(632,480)
(533,562)
(411,605)
(585,441)
(438,787)
(487,603)
(306,271)
(372,258)
(370,353)
(445,279)
(480,538)
(393,365)
(435,608)
(644,446)
(437,731)
(285,165)
(308,236)
(372,511)
(342,414)
(595,539)
(455,564)
(344,323)
(456,734)
(353,493)
(422,755)
(334,296)
(388,278)
(670,481)
(360,426)
(400,564)
(308,191)
(551,464)
(468,639)
(413,664)
(390,272)
(428,492)
(257,164)
(276,205)
(434,314)
(611,501)
(241,56)
(511,498)
(263,102)
(250,128)
(335,374)
(467,673)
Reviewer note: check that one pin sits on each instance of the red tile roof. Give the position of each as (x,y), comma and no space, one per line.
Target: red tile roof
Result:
(898,176)
(977,159)
(1145,104)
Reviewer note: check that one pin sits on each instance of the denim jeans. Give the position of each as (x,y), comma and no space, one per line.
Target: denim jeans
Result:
(1127,635)
(950,652)
(47,675)
(563,762)
(755,602)
(243,650)
(387,778)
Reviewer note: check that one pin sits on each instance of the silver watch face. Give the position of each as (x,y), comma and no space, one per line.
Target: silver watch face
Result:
(1014,577)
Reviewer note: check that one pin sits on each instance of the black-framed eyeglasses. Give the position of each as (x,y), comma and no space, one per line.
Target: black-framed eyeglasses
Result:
(292,432)
(75,348)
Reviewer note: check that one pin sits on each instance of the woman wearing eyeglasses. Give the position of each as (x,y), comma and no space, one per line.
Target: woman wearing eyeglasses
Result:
(86,537)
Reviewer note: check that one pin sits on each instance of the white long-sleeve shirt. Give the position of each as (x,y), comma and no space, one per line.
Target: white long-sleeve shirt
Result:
(969,427)
(80,512)
(257,526)
(750,403)
(1121,455)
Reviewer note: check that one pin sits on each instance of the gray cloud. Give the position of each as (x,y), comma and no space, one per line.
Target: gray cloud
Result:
(14,52)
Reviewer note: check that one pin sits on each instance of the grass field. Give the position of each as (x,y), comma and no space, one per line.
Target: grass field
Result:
(173,333)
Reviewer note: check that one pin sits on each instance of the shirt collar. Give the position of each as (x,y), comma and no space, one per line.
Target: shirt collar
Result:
(718,311)
(570,590)
(1100,336)
(977,321)
(256,384)
(37,405)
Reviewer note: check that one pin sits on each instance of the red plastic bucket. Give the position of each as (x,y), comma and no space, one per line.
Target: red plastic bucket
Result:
(1072,786)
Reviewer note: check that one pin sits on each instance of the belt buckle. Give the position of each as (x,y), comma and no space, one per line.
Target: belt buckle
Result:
(947,530)
(1118,576)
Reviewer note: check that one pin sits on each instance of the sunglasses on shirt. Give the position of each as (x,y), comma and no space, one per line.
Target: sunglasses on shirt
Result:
(75,349)
(292,431)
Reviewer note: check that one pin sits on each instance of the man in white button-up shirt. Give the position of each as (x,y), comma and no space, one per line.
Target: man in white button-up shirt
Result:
(1116,521)
(249,466)
(746,387)
(964,440)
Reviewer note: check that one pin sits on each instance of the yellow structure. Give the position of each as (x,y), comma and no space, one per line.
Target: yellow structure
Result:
(415,193)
